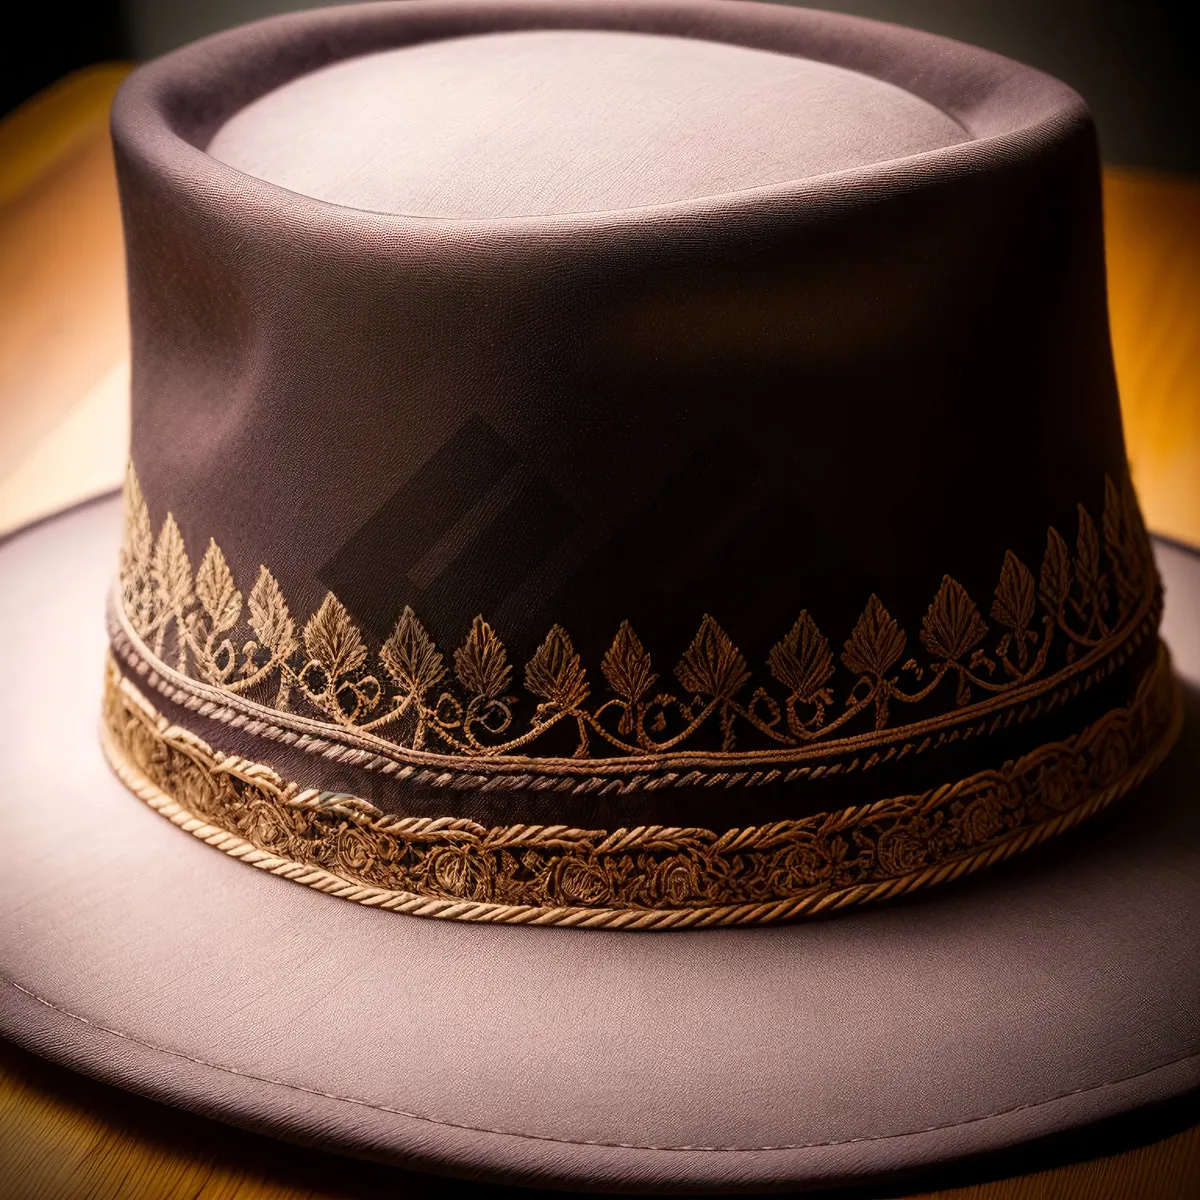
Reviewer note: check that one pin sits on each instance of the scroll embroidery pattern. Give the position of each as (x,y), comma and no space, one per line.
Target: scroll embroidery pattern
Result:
(1084,601)
(457,868)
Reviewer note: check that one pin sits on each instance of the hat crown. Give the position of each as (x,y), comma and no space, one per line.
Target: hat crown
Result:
(584,515)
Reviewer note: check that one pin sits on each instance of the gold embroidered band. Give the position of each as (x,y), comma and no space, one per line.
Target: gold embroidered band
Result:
(405,710)
(650,877)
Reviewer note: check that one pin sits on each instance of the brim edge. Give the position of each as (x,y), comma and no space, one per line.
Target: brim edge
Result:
(372,1132)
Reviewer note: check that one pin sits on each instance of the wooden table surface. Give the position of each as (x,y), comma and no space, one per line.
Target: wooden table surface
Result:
(63,391)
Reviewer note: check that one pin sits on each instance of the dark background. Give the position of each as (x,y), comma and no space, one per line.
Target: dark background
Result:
(1136,61)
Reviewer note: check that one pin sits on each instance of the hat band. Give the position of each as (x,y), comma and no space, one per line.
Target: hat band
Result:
(414,713)
(651,877)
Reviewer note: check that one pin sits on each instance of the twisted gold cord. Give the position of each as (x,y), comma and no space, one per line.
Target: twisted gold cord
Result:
(650,877)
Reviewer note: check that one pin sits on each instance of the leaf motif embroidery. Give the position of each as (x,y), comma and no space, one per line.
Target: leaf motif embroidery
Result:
(626,666)
(802,660)
(410,656)
(1087,563)
(1055,579)
(712,665)
(332,639)
(216,591)
(171,570)
(876,642)
(1116,546)
(952,625)
(481,663)
(269,617)
(137,537)
(159,593)
(137,550)
(555,672)
(1015,595)
(1120,542)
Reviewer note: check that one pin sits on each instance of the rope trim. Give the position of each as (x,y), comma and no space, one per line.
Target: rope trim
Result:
(1058,778)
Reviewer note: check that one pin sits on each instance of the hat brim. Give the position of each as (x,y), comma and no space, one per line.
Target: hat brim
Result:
(1051,992)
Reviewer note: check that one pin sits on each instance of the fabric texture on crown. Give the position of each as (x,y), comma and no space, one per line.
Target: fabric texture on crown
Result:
(541,122)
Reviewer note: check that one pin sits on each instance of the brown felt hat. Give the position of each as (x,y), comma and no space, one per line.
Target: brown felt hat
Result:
(643,485)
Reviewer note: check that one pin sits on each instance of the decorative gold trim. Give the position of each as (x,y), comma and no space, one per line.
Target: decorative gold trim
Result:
(650,877)
(1094,604)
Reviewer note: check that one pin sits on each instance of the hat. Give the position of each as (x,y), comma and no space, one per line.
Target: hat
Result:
(628,532)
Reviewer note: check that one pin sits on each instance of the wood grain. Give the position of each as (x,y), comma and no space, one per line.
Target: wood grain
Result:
(63,329)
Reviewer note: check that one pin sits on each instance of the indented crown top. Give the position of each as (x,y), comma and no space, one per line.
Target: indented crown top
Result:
(561,121)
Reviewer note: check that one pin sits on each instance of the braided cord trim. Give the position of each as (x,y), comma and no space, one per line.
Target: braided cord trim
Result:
(644,878)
